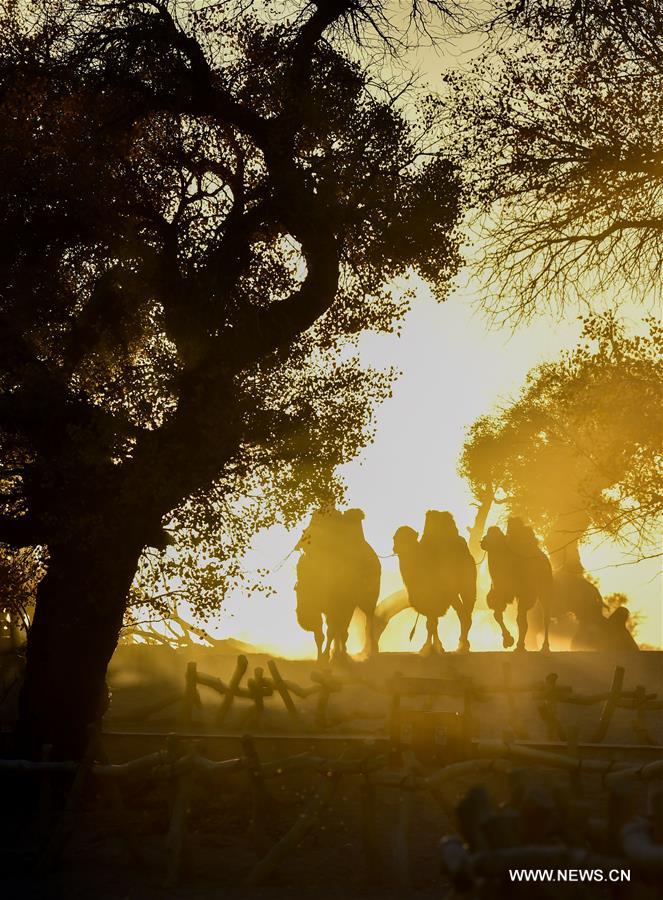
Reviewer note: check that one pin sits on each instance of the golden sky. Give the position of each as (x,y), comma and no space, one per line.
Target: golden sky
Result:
(454,368)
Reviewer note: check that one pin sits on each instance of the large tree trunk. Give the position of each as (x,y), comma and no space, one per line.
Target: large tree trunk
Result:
(78,616)
(476,532)
(563,541)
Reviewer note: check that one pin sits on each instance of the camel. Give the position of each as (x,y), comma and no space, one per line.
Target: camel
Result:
(419,571)
(574,593)
(337,573)
(616,637)
(368,576)
(438,573)
(457,571)
(520,571)
(315,573)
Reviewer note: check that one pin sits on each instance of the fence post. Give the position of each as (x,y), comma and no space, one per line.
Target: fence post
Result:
(639,722)
(282,689)
(191,698)
(610,705)
(256,685)
(259,795)
(240,670)
(514,718)
(548,709)
(176,840)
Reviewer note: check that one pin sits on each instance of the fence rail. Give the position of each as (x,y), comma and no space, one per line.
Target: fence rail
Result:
(548,697)
(395,771)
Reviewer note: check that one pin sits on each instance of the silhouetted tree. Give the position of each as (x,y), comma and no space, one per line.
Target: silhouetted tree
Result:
(558,129)
(580,449)
(200,207)
(20,571)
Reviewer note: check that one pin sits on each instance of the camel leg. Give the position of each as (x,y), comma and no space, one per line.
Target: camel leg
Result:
(507,640)
(436,642)
(433,643)
(523,610)
(343,648)
(326,651)
(428,646)
(320,642)
(371,646)
(465,619)
(339,652)
(332,646)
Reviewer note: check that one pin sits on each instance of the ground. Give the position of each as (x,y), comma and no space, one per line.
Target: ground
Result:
(141,675)
(330,862)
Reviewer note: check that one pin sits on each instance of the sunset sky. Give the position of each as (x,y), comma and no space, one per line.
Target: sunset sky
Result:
(454,368)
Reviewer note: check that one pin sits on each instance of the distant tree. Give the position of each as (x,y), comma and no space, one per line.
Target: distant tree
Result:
(201,210)
(580,450)
(559,132)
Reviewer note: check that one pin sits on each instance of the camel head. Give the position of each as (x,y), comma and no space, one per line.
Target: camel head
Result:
(493,539)
(404,540)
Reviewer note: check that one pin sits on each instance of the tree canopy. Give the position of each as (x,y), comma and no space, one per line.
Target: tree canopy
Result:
(558,129)
(198,211)
(202,207)
(581,449)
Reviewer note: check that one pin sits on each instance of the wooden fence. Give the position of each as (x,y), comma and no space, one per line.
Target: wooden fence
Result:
(548,696)
(633,842)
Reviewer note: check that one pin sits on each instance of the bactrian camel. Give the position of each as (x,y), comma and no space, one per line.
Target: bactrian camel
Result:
(438,572)
(519,571)
(338,571)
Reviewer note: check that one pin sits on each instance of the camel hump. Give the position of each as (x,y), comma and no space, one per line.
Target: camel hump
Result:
(461,548)
(440,526)
(321,531)
(531,562)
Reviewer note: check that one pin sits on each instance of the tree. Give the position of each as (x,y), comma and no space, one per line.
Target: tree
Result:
(201,208)
(20,571)
(580,450)
(558,130)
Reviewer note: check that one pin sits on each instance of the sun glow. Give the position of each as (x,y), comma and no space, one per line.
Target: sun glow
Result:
(453,369)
